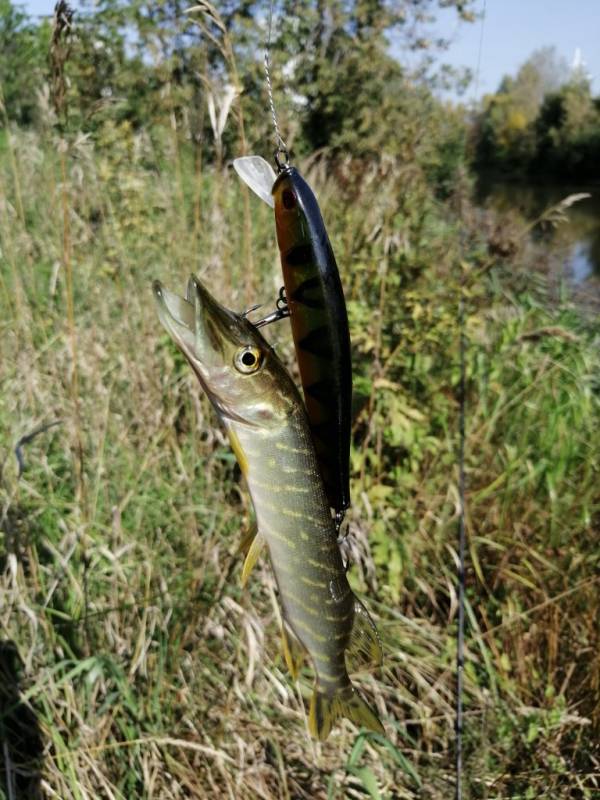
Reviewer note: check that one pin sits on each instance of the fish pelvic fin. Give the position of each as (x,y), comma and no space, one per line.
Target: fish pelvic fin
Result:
(254,548)
(293,652)
(364,648)
(326,709)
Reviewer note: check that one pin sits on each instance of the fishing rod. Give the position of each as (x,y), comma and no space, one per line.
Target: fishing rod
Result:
(462,531)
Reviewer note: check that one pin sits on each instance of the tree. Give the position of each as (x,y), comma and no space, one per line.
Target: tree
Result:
(506,134)
(349,92)
(544,71)
(23,53)
(568,131)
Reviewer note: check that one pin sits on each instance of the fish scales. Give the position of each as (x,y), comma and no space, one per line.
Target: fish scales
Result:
(315,595)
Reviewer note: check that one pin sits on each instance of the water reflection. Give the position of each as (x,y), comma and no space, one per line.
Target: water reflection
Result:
(578,240)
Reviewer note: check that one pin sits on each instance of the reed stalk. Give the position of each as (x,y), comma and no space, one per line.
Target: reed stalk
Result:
(60,48)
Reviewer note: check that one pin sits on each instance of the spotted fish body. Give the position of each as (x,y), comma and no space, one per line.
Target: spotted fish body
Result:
(319,326)
(268,428)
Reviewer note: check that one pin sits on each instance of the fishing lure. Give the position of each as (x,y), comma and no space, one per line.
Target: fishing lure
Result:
(266,421)
(317,311)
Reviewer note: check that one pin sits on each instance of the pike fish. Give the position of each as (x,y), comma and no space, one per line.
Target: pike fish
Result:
(262,411)
(318,316)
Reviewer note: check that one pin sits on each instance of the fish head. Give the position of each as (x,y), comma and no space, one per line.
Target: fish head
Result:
(235,366)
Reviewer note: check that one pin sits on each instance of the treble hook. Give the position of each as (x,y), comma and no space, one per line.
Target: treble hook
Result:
(281,311)
(339,519)
(341,538)
(250,310)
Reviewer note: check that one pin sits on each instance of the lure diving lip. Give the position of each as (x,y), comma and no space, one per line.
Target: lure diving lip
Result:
(318,317)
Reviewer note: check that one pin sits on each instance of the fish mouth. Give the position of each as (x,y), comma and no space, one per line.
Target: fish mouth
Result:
(202,329)
(176,315)
(198,324)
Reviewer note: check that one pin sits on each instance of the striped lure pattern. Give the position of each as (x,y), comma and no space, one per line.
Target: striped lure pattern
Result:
(258,403)
(319,326)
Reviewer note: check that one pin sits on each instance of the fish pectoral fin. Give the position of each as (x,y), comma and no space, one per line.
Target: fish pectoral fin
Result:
(293,652)
(247,538)
(325,709)
(364,648)
(254,546)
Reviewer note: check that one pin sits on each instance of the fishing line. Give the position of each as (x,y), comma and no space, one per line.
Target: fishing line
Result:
(462,545)
(281,149)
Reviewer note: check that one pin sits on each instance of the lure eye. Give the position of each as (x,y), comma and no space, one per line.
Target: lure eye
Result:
(247,359)
(288,198)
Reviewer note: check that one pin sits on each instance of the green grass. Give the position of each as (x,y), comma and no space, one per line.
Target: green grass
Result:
(149,672)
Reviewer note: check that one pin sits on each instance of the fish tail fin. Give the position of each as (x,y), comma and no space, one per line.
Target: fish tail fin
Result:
(325,709)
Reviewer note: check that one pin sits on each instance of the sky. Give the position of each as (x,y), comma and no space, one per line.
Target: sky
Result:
(512,30)
(42,7)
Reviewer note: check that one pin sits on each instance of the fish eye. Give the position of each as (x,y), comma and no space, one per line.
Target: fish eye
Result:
(247,359)
(288,198)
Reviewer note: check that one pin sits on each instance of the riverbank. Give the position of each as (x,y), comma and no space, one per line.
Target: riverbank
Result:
(574,243)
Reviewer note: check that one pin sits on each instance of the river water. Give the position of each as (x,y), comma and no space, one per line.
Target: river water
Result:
(575,242)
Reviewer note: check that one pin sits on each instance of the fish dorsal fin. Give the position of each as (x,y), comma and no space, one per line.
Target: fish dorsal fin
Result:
(364,648)
(258,174)
(293,652)
(253,549)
